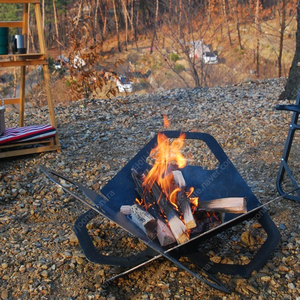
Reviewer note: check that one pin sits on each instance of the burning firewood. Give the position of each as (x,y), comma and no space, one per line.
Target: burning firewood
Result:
(177,227)
(141,218)
(183,201)
(235,205)
(156,201)
(164,233)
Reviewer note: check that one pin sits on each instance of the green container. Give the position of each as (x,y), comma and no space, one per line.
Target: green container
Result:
(3,40)
(4,31)
(3,50)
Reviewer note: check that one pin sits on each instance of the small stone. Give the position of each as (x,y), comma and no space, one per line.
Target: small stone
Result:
(265,278)
(283,268)
(79,260)
(282,226)
(73,239)
(4,266)
(22,192)
(216,259)
(247,238)
(291,286)
(22,269)
(44,274)
(188,289)
(67,254)
(4,294)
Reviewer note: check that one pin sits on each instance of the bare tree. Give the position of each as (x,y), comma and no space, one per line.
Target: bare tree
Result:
(117,25)
(56,23)
(154,26)
(257,35)
(293,82)
(282,12)
(226,20)
(43,13)
(125,14)
(234,8)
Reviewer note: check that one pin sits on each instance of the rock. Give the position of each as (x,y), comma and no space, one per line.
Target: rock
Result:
(283,268)
(80,260)
(4,265)
(44,274)
(4,294)
(265,278)
(247,238)
(73,239)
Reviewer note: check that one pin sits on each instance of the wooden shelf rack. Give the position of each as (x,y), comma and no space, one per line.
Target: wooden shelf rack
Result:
(22,61)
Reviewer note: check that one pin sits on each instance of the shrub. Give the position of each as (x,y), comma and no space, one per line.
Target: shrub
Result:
(179,67)
(173,57)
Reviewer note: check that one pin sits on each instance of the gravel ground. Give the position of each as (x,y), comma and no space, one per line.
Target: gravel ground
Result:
(40,257)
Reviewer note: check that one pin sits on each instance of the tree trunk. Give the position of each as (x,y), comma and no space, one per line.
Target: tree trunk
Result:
(29,36)
(179,17)
(43,14)
(282,29)
(55,22)
(117,25)
(293,82)
(257,33)
(79,13)
(154,27)
(226,20)
(209,4)
(15,83)
(131,18)
(237,21)
(125,13)
(95,19)
(135,21)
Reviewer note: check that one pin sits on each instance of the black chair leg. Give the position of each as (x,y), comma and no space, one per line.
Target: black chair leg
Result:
(284,164)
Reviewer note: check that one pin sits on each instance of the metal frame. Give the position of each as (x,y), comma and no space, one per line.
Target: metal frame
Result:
(284,164)
(120,190)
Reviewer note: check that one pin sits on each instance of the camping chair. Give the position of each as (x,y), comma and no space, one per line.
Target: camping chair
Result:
(284,165)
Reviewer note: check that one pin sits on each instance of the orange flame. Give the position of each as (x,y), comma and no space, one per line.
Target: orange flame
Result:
(167,156)
(166,121)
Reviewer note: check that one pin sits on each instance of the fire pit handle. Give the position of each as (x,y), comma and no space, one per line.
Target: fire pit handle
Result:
(93,255)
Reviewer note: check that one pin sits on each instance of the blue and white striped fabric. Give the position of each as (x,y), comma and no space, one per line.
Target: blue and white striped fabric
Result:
(22,134)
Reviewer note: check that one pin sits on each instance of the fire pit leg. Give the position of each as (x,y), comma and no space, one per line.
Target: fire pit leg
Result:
(257,261)
(93,255)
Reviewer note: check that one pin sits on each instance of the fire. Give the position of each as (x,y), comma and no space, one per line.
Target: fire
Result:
(166,121)
(168,157)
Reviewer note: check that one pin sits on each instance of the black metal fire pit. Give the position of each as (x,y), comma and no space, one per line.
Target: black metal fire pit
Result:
(224,181)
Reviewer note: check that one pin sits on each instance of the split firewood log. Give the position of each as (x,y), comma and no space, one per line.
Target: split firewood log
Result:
(183,201)
(141,218)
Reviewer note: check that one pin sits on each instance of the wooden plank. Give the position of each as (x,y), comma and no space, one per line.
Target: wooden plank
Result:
(23,56)
(22,63)
(25,18)
(34,150)
(11,24)
(9,101)
(20,1)
(16,57)
(48,141)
